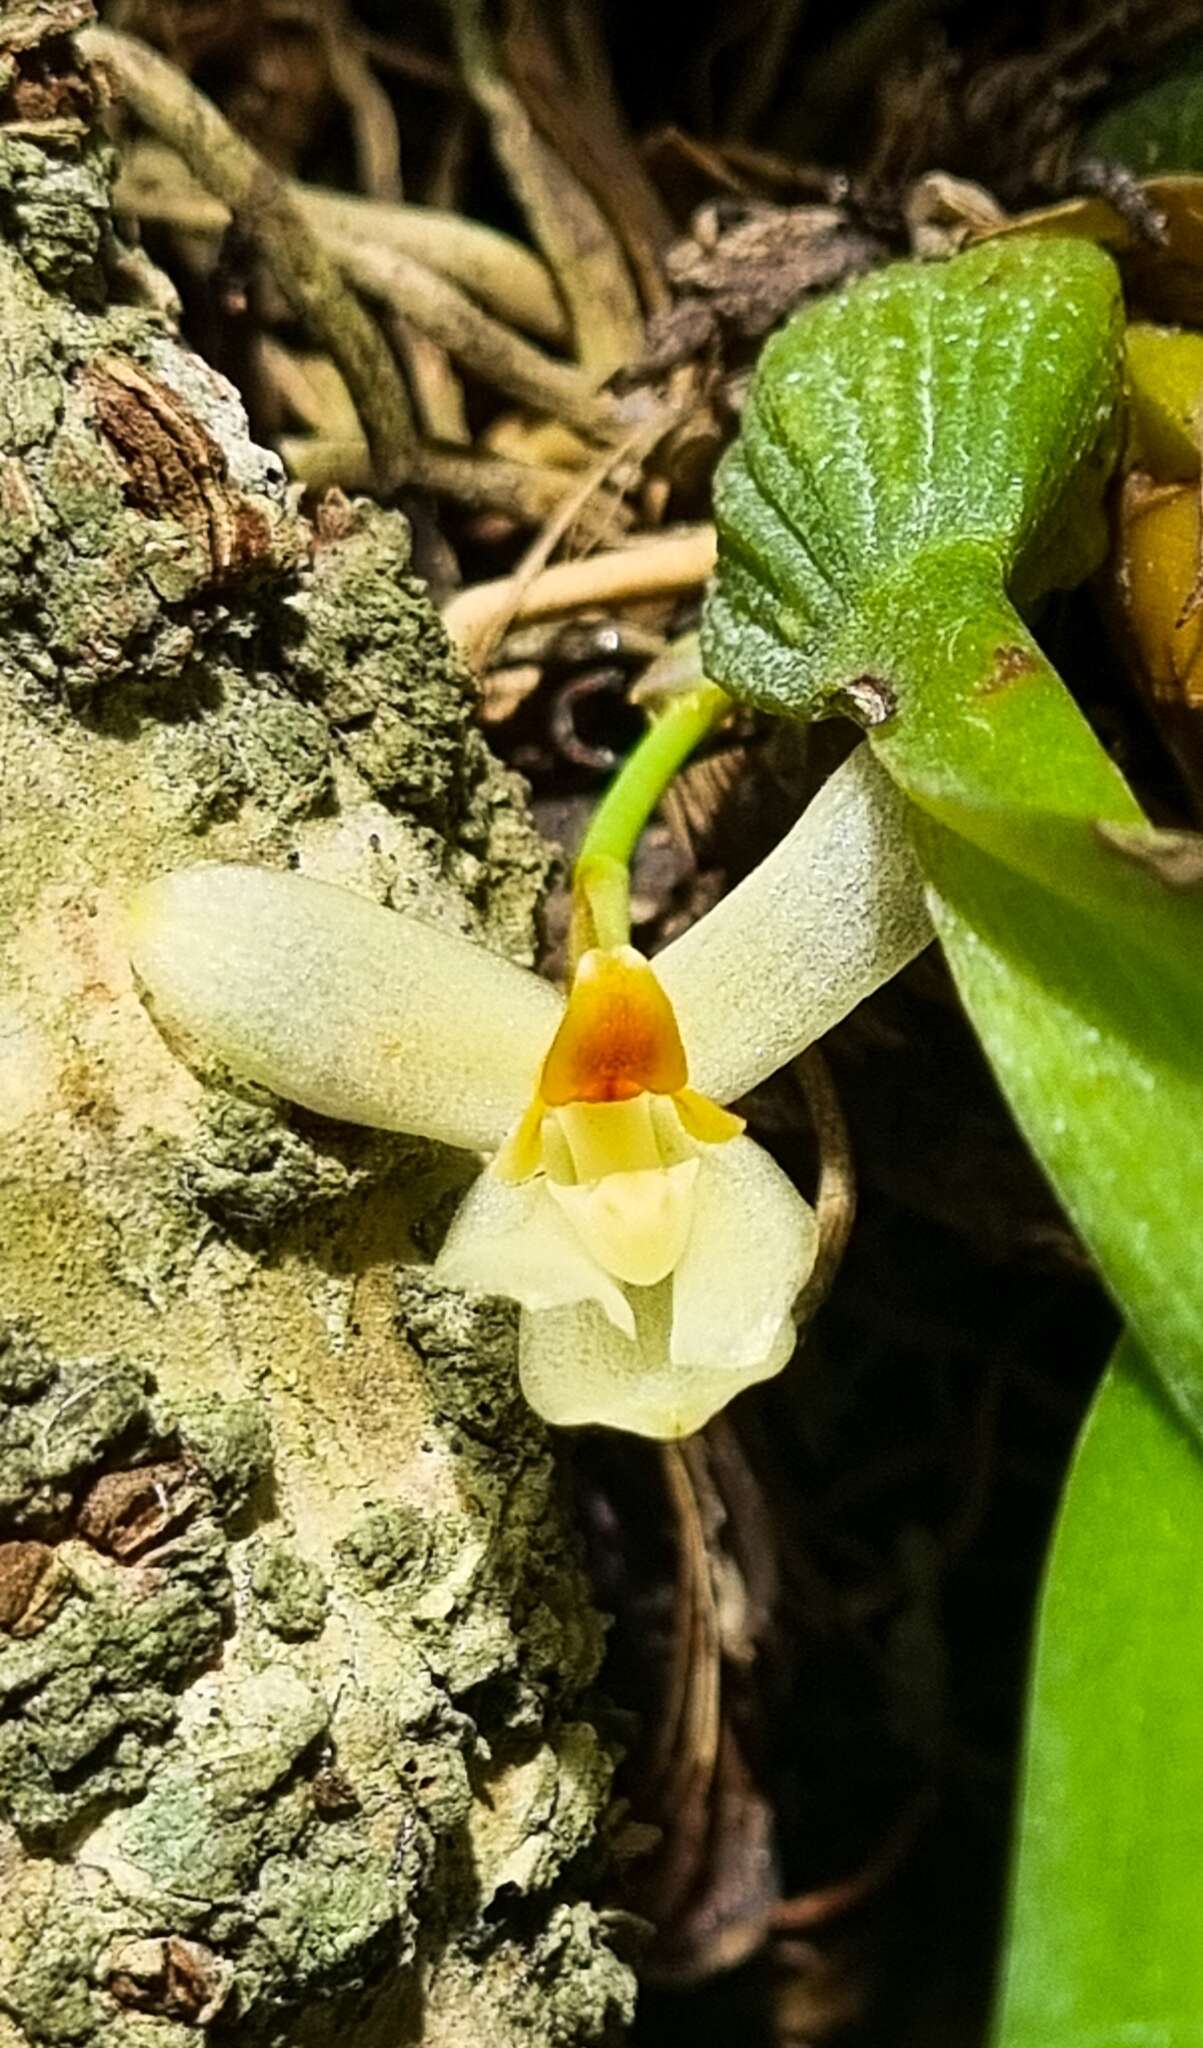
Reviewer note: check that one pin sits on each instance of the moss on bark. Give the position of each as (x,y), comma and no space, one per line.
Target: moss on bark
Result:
(295,1650)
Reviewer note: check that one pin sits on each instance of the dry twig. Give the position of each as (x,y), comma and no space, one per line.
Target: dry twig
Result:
(687,1740)
(835,1202)
(534,560)
(483,345)
(654,567)
(166,101)
(437,397)
(567,87)
(526,492)
(374,128)
(565,221)
(511,281)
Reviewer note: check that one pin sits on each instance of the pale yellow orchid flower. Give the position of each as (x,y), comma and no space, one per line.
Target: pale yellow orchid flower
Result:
(656,1252)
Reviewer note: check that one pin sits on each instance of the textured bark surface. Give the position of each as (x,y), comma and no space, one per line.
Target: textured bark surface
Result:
(294,1645)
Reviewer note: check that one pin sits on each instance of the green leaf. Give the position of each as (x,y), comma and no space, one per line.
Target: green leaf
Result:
(916,456)
(1104,1944)
(1098,1050)
(930,437)
(932,418)
(1158,129)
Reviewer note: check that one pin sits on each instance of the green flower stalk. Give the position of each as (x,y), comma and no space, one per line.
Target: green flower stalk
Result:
(601,878)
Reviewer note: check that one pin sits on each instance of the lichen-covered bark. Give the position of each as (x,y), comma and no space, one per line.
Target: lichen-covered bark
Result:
(294,1645)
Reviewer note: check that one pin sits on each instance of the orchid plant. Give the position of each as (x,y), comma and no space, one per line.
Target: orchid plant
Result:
(656,1250)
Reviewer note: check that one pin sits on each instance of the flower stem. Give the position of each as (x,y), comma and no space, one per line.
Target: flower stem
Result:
(601,905)
(601,878)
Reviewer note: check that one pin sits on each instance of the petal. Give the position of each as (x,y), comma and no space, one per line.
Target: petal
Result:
(833,912)
(577,1368)
(334,1002)
(752,1245)
(514,1241)
(636,1225)
(704,1120)
(522,1153)
(618,1036)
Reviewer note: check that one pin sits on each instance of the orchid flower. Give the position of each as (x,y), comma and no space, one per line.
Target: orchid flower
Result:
(655,1250)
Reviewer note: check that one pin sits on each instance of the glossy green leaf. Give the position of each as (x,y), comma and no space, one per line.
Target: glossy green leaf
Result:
(934,424)
(1104,1948)
(919,455)
(1097,1048)
(917,452)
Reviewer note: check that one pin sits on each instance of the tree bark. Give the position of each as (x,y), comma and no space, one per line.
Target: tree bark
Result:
(295,1646)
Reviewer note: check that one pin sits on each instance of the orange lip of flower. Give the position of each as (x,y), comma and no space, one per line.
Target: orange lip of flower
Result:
(618,1039)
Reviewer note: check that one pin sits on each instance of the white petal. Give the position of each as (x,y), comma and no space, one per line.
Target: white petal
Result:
(833,912)
(577,1368)
(752,1245)
(343,1006)
(514,1241)
(637,1224)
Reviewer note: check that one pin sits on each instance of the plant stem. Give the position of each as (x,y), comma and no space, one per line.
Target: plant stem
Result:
(600,884)
(646,773)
